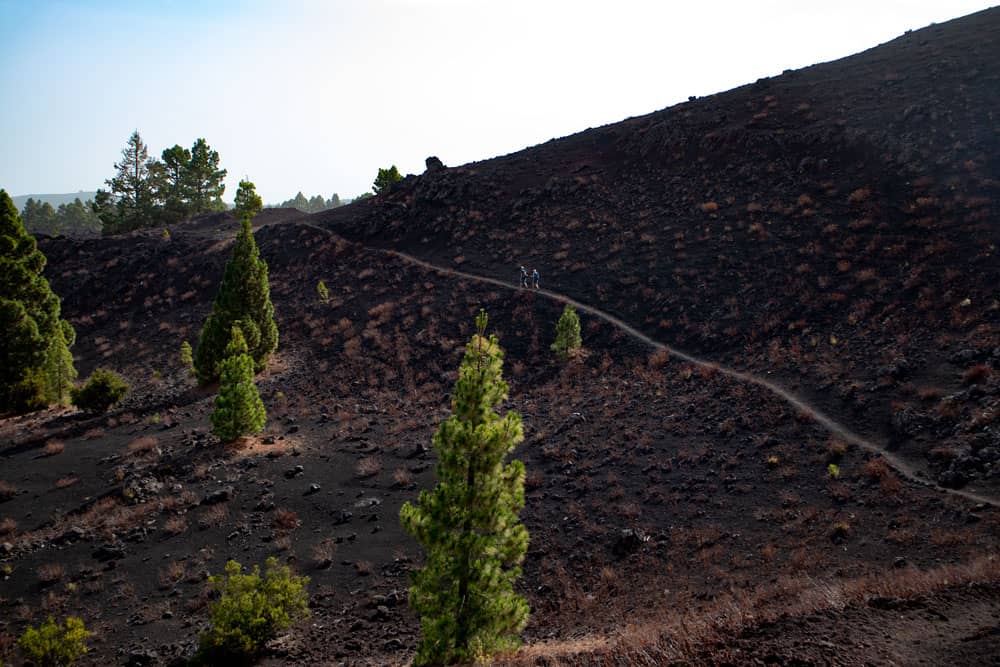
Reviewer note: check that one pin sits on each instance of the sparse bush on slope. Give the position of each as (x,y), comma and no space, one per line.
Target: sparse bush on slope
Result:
(251,611)
(102,390)
(52,645)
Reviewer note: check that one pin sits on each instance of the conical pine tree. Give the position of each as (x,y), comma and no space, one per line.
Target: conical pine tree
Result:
(29,318)
(59,369)
(238,408)
(567,333)
(244,298)
(468,523)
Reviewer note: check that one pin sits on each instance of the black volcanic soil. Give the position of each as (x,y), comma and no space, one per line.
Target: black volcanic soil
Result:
(654,486)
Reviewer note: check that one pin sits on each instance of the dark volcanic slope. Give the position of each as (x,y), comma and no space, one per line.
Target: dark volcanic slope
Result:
(834,226)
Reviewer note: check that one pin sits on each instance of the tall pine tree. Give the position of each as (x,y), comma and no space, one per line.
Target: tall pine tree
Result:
(204,179)
(468,523)
(238,408)
(243,300)
(30,345)
(132,199)
(247,203)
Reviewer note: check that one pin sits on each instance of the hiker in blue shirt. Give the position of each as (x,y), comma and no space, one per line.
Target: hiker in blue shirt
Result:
(534,278)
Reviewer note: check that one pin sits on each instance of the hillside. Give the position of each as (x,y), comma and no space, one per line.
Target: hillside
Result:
(792,274)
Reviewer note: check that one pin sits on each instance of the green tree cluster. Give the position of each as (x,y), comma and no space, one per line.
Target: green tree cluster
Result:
(468,523)
(313,204)
(146,192)
(244,301)
(53,645)
(35,362)
(385,179)
(238,408)
(75,219)
(568,338)
(251,611)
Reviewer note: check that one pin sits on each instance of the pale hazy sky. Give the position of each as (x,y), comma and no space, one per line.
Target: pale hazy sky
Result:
(316,96)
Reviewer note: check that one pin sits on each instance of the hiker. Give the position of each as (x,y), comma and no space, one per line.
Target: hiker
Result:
(524,276)
(534,278)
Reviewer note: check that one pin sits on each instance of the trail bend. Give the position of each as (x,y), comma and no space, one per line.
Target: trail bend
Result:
(899,465)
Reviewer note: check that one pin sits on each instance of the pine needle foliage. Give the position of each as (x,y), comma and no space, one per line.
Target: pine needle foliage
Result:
(468,523)
(322,291)
(53,645)
(238,408)
(244,300)
(29,322)
(567,333)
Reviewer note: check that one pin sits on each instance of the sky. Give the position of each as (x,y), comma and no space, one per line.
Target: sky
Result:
(316,95)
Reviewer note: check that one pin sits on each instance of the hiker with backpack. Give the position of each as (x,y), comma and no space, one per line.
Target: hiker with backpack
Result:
(534,278)
(524,276)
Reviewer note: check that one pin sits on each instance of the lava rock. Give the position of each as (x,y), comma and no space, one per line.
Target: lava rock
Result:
(109,551)
(313,488)
(222,495)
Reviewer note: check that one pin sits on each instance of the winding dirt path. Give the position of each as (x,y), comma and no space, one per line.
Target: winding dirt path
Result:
(901,466)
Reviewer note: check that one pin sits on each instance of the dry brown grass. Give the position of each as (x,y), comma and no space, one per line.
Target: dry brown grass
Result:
(213,516)
(141,446)
(7,526)
(172,574)
(323,553)
(7,490)
(285,520)
(402,477)
(675,638)
(50,573)
(53,448)
(977,374)
(175,525)
(369,466)
(65,482)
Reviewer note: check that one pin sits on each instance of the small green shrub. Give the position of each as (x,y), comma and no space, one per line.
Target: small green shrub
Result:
(102,389)
(252,610)
(833,470)
(187,357)
(52,645)
(567,333)
(324,293)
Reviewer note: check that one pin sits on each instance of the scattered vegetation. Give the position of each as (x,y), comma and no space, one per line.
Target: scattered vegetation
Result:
(568,338)
(323,292)
(238,408)
(103,389)
(248,203)
(244,301)
(385,179)
(252,610)
(36,366)
(468,524)
(187,360)
(53,645)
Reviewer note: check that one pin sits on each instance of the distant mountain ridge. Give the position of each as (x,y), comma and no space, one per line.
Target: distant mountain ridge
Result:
(54,199)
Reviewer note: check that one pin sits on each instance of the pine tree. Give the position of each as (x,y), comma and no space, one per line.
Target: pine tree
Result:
(203,179)
(567,333)
(29,319)
(244,299)
(238,408)
(322,291)
(385,179)
(247,203)
(131,202)
(468,523)
(59,369)
(173,183)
